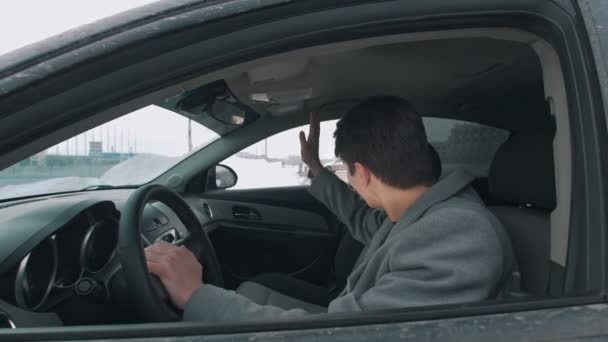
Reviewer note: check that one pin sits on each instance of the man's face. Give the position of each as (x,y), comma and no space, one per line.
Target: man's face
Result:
(360,180)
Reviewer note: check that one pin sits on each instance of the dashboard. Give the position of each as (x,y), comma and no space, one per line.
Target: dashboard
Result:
(58,256)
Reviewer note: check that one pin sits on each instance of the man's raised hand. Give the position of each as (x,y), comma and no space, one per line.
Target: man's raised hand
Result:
(309,148)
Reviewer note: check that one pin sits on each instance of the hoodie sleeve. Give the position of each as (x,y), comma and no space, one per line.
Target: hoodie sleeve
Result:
(361,220)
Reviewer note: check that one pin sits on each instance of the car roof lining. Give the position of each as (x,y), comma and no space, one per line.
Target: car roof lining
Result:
(487,69)
(477,72)
(510,115)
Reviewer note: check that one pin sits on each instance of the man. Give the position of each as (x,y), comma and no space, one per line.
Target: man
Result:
(426,241)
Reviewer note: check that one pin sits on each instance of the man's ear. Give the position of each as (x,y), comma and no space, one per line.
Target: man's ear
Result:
(363,173)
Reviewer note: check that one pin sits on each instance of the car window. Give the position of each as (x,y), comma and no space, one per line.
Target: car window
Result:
(130,150)
(276,162)
(465,145)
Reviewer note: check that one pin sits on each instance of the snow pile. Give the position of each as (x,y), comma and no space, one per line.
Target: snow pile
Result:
(139,169)
(47,186)
(136,170)
(142,168)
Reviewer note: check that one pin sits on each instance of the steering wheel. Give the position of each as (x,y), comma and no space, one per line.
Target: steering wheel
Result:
(147,292)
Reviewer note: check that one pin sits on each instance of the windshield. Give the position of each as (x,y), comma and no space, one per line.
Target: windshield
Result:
(49,18)
(131,150)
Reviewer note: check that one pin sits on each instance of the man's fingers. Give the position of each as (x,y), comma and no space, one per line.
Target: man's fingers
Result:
(152,256)
(311,126)
(159,246)
(302,138)
(157,268)
(314,123)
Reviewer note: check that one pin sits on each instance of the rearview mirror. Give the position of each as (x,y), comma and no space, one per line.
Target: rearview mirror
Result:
(221,177)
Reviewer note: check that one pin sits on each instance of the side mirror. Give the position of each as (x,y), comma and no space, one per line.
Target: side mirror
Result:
(222,177)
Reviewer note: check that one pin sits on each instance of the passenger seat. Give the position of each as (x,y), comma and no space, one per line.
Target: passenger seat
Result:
(522,176)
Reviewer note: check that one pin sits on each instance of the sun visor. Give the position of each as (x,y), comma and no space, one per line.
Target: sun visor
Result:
(279,71)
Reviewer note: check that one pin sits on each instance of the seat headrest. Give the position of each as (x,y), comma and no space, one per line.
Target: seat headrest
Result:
(522,171)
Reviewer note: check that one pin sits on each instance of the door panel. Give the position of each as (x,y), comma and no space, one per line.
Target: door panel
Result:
(268,216)
(278,230)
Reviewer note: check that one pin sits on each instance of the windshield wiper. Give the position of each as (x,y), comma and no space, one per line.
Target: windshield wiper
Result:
(106,186)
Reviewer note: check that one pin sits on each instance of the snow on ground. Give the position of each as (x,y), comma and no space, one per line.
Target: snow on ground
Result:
(136,170)
(47,186)
(140,169)
(252,173)
(259,173)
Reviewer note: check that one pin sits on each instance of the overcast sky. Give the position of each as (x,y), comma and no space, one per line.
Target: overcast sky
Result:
(24,22)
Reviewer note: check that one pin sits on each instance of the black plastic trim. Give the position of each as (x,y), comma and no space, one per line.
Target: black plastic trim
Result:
(579,259)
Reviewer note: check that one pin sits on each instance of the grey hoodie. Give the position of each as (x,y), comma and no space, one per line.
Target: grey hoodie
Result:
(446,248)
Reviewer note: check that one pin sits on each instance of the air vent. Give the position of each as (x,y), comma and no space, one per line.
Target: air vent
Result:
(5,322)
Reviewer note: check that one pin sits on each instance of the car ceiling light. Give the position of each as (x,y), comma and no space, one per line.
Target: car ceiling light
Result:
(259,97)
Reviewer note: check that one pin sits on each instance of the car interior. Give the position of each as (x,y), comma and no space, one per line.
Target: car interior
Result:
(281,237)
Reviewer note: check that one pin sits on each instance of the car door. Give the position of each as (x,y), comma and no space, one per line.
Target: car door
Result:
(268,222)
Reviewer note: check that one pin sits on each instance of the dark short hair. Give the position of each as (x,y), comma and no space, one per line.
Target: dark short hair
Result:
(386,134)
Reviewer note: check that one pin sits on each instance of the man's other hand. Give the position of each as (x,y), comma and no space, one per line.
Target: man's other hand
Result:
(309,148)
(178,270)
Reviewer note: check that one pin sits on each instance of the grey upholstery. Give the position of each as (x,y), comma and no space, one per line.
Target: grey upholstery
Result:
(529,233)
(522,176)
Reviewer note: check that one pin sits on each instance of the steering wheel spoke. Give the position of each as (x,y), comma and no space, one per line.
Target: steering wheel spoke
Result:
(147,292)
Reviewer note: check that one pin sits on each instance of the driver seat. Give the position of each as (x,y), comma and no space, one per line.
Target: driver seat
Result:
(288,292)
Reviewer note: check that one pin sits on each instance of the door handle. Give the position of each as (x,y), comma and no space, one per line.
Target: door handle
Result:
(245,213)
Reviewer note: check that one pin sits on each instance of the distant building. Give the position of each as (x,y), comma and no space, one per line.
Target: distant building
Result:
(95,148)
(38,159)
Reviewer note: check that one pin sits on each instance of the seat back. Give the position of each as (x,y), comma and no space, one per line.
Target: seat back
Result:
(522,177)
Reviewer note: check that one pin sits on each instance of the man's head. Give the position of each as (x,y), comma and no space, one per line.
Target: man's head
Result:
(384,137)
